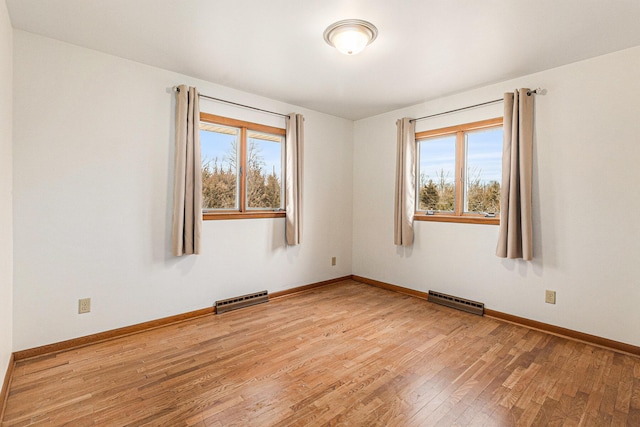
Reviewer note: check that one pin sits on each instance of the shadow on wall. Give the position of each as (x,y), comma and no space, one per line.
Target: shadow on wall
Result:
(167,255)
(404,251)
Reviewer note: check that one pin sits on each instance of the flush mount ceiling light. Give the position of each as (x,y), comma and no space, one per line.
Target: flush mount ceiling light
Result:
(350,36)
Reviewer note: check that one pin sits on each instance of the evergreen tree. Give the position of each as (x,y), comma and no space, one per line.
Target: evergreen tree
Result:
(218,185)
(429,196)
(272,191)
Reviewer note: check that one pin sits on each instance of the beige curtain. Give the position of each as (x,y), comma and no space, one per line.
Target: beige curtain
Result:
(293,178)
(515,238)
(187,183)
(405,183)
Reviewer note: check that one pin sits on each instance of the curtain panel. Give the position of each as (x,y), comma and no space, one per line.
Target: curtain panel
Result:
(515,236)
(405,198)
(187,183)
(293,178)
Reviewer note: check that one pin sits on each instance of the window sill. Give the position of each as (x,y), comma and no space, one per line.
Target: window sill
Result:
(464,219)
(208,216)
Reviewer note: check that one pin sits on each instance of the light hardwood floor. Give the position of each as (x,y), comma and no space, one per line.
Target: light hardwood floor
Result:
(345,354)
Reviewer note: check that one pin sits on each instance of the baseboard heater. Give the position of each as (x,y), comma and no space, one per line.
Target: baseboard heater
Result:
(469,306)
(235,303)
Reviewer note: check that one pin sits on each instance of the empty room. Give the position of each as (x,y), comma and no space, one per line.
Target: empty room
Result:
(308,213)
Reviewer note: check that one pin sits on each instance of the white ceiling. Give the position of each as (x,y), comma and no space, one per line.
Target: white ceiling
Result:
(425,49)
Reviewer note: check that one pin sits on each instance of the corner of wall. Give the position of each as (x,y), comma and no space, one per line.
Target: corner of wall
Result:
(6,190)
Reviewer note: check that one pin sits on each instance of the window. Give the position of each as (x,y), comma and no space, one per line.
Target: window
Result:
(242,169)
(459,171)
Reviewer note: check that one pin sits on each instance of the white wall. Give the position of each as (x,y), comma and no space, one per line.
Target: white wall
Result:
(586,203)
(93,153)
(93,160)
(6,164)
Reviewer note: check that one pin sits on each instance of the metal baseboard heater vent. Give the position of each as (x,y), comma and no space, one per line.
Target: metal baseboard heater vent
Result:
(235,303)
(469,306)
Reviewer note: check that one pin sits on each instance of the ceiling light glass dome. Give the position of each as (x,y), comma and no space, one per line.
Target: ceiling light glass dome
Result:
(350,36)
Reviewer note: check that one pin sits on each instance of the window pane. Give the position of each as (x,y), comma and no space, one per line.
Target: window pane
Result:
(264,174)
(219,154)
(436,173)
(483,171)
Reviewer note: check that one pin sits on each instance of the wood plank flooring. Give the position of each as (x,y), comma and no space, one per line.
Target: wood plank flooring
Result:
(342,355)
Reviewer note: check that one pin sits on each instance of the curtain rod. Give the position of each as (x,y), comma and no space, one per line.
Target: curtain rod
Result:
(177,89)
(529,93)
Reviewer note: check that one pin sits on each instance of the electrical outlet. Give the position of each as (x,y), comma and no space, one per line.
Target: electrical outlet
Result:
(84,305)
(550,297)
(333,260)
